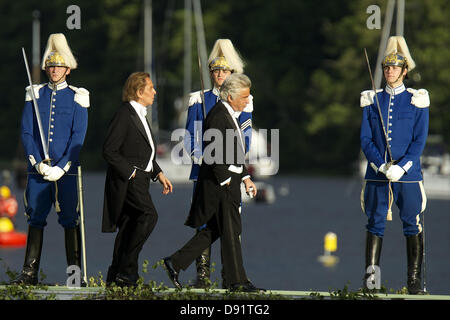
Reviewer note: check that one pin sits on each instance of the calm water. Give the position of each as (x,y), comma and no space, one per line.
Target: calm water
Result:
(281,241)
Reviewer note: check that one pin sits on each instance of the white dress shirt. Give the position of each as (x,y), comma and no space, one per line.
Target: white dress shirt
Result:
(234,116)
(142,113)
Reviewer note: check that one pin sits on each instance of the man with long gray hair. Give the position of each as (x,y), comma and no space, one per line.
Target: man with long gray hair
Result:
(217,196)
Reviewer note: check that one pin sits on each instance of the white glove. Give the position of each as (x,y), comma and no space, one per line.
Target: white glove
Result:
(395,173)
(383,168)
(42,168)
(196,160)
(54,174)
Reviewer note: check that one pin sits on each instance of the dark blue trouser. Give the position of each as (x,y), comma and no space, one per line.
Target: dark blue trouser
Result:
(41,195)
(409,197)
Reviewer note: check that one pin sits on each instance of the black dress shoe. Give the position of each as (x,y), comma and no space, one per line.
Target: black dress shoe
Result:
(245,287)
(29,279)
(111,276)
(415,287)
(173,275)
(124,281)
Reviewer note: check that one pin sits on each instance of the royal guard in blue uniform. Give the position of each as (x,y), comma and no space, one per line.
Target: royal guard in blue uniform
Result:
(223,61)
(52,181)
(393,146)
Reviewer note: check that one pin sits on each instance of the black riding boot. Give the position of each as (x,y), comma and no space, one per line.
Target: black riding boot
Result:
(373,252)
(29,274)
(203,272)
(72,239)
(414,250)
(73,246)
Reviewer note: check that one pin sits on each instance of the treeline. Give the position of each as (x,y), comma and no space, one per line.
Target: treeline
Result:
(305,59)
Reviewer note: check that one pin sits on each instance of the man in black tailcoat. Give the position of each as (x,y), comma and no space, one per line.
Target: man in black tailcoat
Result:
(130,151)
(217,196)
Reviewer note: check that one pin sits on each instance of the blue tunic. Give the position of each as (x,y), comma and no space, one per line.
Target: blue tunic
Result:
(63,113)
(407,130)
(194,124)
(405,115)
(64,124)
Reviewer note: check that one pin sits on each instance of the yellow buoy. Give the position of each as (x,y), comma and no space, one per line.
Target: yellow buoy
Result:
(330,245)
(330,242)
(5,192)
(6,225)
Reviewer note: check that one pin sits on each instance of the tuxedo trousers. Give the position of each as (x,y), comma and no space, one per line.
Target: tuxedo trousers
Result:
(137,221)
(226,225)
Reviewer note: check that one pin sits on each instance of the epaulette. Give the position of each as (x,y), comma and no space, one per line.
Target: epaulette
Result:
(196,97)
(367,97)
(81,96)
(420,98)
(36,88)
(249,106)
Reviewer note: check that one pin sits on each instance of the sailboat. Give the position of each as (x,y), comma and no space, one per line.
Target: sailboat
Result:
(436,168)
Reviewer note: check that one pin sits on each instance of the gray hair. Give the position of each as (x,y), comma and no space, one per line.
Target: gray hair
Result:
(233,84)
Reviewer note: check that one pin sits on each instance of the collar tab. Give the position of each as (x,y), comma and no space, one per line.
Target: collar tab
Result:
(395,91)
(59,86)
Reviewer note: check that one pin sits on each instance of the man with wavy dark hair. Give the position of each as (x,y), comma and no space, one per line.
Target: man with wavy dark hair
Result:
(130,151)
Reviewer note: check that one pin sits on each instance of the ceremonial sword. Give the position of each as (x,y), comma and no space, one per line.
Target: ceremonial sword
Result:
(379,112)
(202,86)
(391,195)
(82,228)
(202,94)
(36,109)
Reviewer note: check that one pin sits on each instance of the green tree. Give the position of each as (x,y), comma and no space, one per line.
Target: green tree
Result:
(305,60)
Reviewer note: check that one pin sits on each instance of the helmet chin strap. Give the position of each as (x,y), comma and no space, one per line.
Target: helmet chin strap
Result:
(59,80)
(401,75)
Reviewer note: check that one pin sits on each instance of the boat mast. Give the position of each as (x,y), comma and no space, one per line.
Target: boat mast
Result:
(383,42)
(152,113)
(189,6)
(386,31)
(187,81)
(201,42)
(36,47)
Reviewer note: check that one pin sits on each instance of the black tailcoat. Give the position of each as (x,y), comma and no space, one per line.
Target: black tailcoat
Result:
(215,205)
(126,147)
(209,195)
